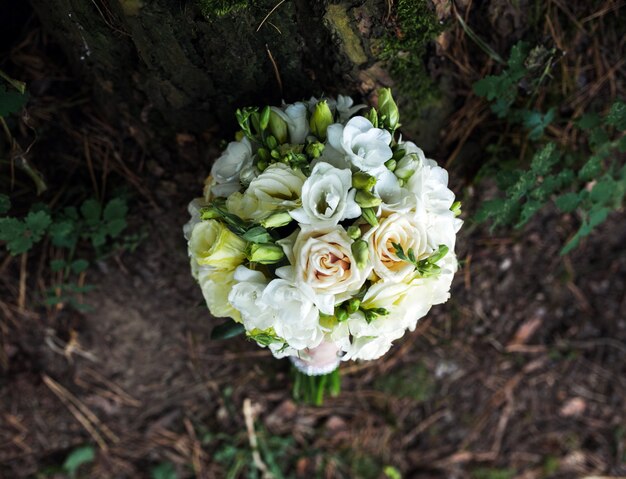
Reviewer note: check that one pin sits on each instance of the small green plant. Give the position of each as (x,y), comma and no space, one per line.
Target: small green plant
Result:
(592,183)
(492,473)
(101,227)
(77,458)
(165,470)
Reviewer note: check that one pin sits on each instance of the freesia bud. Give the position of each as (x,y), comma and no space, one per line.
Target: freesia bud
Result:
(264,253)
(365,199)
(369,215)
(360,252)
(321,119)
(387,107)
(407,166)
(265,117)
(314,150)
(278,127)
(354,232)
(391,164)
(341,314)
(372,116)
(363,181)
(353,305)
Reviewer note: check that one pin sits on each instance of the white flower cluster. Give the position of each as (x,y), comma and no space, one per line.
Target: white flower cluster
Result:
(320,226)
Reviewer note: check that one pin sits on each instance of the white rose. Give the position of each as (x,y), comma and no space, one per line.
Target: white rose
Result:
(405,230)
(226,169)
(367,348)
(295,115)
(327,197)
(278,187)
(365,147)
(322,261)
(296,319)
(278,306)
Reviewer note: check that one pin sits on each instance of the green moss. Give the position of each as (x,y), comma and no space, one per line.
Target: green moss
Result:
(220,8)
(404,48)
(337,18)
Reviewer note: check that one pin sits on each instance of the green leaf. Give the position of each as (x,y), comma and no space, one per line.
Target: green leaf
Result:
(591,169)
(545,159)
(258,234)
(5,204)
(79,265)
(57,265)
(226,330)
(537,122)
(91,211)
(63,234)
(567,202)
(603,191)
(115,209)
(37,223)
(589,121)
(115,227)
(596,217)
(78,457)
(617,115)
(164,470)
(11,101)
(528,211)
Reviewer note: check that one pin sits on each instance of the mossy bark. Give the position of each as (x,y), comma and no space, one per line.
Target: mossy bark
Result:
(183,65)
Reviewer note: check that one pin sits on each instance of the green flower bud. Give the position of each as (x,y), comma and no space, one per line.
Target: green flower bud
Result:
(354,232)
(399,154)
(265,117)
(262,164)
(321,119)
(363,181)
(277,220)
(278,128)
(361,254)
(264,253)
(341,314)
(387,108)
(369,215)
(407,166)
(372,116)
(263,154)
(391,164)
(365,199)
(353,305)
(271,142)
(456,208)
(314,150)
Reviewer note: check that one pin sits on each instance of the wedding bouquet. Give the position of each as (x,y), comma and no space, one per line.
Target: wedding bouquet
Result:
(323,233)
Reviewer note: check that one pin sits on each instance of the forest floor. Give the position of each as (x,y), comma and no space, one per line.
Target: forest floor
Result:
(522,374)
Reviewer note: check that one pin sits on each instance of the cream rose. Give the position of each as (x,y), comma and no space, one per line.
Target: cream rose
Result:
(277,188)
(213,244)
(402,229)
(216,285)
(322,262)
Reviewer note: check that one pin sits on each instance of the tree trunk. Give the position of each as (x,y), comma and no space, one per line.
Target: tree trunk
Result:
(181,65)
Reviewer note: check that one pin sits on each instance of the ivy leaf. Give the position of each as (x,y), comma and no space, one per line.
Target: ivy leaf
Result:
(5,204)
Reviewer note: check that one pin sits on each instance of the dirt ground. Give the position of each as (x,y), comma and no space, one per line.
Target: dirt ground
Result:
(522,374)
